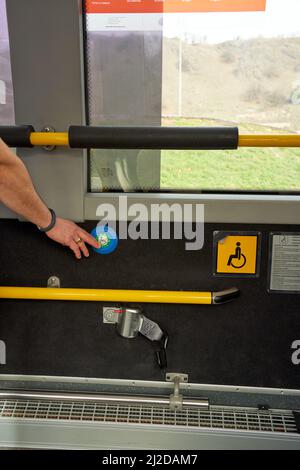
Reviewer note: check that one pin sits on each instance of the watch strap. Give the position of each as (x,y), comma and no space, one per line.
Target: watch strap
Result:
(52,223)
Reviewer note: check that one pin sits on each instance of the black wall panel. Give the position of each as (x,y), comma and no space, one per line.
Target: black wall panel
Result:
(245,342)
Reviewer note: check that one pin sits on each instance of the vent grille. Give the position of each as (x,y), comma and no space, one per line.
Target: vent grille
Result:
(243,419)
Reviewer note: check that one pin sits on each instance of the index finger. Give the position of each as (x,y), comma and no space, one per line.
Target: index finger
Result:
(88,238)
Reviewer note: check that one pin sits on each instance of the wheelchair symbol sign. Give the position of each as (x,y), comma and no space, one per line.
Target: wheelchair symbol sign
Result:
(236,254)
(238,259)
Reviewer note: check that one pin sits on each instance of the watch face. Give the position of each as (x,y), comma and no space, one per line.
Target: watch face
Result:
(106,237)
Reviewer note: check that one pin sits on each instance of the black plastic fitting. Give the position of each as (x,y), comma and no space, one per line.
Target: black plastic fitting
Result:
(16,136)
(171,138)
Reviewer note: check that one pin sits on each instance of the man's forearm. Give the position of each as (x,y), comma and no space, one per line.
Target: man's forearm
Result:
(17,191)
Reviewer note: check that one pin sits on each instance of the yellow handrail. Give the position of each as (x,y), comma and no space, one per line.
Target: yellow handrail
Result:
(44,139)
(269,140)
(265,140)
(106,295)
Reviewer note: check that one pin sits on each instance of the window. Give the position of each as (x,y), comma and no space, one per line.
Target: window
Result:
(6,89)
(195,69)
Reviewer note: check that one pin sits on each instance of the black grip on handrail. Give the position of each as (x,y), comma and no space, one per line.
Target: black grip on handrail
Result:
(225,295)
(177,138)
(16,136)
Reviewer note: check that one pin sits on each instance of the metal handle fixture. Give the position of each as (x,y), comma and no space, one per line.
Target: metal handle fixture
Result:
(130,322)
(144,137)
(116,295)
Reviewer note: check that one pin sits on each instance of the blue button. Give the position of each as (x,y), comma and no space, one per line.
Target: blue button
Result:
(107,238)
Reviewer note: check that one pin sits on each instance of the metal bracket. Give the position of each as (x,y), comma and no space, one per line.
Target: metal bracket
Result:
(111,315)
(176,399)
(130,322)
(49,148)
(53,281)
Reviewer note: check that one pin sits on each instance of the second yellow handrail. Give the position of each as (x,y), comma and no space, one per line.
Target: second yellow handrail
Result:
(245,140)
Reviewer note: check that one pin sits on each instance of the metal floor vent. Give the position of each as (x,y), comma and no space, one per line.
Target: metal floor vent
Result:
(242,419)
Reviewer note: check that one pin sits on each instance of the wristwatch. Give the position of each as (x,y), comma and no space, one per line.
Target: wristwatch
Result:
(52,223)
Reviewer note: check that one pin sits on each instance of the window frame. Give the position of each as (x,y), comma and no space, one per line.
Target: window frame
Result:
(46,104)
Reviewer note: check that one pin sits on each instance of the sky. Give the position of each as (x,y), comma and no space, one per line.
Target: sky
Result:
(282,17)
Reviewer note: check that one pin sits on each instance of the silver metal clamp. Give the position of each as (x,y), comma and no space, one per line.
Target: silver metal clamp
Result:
(131,321)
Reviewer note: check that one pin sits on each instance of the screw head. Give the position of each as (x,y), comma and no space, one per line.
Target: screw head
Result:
(108,315)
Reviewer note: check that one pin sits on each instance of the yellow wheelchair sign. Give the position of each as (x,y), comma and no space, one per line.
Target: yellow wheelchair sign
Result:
(237,254)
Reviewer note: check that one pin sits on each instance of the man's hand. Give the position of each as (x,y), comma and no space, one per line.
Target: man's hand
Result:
(69,234)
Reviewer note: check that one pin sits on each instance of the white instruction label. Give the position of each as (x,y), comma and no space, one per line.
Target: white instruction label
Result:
(285,263)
